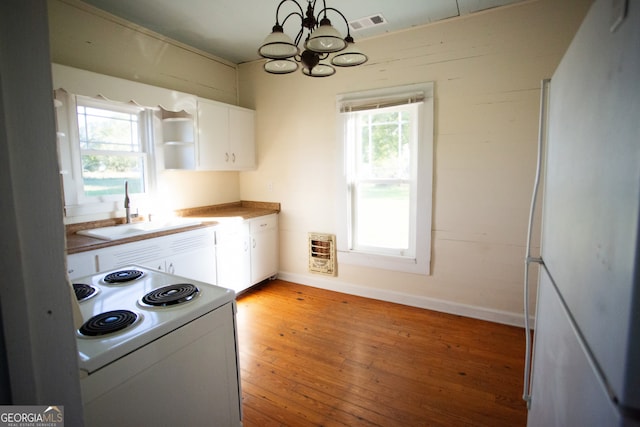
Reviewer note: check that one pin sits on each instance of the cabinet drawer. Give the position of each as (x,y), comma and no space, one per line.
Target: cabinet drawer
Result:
(263,223)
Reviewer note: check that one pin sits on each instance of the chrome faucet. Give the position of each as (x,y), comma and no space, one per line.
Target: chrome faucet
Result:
(126,202)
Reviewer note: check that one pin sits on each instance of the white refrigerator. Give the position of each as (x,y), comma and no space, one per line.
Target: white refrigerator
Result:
(586,346)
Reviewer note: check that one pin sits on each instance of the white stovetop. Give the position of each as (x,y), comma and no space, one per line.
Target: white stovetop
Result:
(152,323)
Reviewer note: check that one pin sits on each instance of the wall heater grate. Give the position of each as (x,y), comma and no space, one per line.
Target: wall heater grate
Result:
(322,253)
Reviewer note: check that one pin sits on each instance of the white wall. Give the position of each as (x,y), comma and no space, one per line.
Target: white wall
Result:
(487,70)
(84,37)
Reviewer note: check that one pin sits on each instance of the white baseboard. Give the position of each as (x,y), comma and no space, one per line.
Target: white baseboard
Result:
(475,312)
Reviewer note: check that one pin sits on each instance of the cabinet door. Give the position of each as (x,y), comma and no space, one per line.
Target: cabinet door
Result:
(242,140)
(81,264)
(156,264)
(264,248)
(233,257)
(192,254)
(147,253)
(199,264)
(213,136)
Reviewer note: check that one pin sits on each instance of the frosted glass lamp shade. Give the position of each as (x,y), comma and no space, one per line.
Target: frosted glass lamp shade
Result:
(280,66)
(320,70)
(278,45)
(325,39)
(349,57)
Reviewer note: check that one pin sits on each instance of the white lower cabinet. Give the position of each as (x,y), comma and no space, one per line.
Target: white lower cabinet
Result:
(147,253)
(247,252)
(190,254)
(234,255)
(198,264)
(264,247)
(82,264)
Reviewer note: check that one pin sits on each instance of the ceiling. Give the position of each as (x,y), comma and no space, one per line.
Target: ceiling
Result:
(234,29)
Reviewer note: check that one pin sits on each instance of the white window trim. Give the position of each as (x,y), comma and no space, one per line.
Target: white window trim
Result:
(76,204)
(421,263)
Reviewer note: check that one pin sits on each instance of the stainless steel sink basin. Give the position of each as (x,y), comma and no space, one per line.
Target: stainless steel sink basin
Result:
(138,228)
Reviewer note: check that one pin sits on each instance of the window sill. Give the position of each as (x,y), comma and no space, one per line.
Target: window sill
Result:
(385,262)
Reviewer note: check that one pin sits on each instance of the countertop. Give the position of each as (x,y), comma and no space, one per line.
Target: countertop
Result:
(209,215)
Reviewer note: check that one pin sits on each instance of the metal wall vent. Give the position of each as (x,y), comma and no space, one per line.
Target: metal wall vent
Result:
(367,22)
(322,253)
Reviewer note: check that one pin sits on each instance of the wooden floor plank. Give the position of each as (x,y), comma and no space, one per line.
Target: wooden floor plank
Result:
(311,357)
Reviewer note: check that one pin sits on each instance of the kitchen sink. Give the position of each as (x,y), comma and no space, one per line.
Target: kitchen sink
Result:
(124,231)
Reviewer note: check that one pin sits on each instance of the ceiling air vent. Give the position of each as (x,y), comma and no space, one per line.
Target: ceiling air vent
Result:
(368,22)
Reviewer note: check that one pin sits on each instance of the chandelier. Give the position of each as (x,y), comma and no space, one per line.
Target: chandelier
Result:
(321,42)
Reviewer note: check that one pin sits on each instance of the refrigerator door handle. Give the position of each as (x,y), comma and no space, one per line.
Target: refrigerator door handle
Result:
(526,395)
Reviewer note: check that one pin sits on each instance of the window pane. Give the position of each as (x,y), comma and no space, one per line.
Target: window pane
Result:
(105,175)
(107,130)
(383,146)
(382,180)
(382,213)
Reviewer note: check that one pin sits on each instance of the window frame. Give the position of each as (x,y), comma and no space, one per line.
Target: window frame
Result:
(419,261)
(78,204)
(355,181)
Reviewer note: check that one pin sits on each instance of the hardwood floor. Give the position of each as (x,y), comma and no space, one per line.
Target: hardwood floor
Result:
(311,357)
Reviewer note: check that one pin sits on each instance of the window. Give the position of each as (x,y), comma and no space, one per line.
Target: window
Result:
(385,209)
(382,179)
(107,144)
(110,151)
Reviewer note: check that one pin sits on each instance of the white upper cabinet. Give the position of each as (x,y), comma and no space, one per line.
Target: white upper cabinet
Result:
(226,137)
(189,133)
(213,135)
(242,138)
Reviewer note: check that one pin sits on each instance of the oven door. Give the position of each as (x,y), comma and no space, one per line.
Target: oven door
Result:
(187,377)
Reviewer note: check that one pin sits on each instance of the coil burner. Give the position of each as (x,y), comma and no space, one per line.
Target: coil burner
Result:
(83,291)
(171,295)
(123,276)
(108,323)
